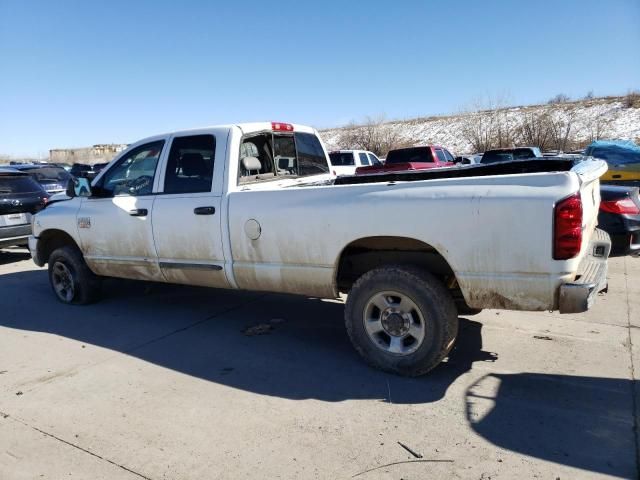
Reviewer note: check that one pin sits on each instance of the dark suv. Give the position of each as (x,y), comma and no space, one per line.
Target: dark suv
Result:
(53,179)
(20,197)
(509,154)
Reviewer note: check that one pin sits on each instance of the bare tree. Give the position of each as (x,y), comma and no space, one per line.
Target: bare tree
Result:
(632,99)
(488,125)
(560,98)
(561,129)
(374,135)
(536,130)
(598,127)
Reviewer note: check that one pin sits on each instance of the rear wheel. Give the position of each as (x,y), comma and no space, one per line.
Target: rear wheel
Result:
(401,320)
(71,280)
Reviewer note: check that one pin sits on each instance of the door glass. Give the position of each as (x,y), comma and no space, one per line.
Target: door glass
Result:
(440,155)
(133,174)
(363,159)
(448,156)
(190,164)
(374,160)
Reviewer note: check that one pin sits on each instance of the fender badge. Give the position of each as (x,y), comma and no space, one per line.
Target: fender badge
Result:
(84,222)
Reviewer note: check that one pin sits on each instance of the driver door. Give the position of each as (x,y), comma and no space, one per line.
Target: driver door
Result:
(114,224)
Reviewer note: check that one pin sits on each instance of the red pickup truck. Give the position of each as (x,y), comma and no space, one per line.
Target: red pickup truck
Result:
(412,158)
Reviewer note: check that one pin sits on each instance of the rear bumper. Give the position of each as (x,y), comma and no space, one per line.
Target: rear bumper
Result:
(579,295)
(14,235)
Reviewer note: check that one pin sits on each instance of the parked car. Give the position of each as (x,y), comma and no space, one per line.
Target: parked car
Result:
(97,167)
(412,158)
(66,166)
(623,158)
(84,170)
(619,216)
(399,249)
(345,162)
(468,159)
(509,154)
(20,197)
(53,179)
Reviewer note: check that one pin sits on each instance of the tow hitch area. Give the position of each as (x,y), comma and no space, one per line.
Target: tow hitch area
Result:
(579,295)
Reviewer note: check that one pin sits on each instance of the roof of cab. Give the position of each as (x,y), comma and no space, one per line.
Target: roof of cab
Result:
(249,127)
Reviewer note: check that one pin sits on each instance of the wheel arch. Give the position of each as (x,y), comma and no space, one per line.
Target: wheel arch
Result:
(52,239)
(364,254)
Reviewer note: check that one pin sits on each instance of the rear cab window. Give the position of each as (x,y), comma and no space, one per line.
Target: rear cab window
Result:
(278,155)
(342,159)
(410,155)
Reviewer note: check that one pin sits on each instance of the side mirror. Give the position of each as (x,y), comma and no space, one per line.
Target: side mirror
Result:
(79,187)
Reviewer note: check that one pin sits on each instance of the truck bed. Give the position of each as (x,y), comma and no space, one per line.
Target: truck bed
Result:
(548,164)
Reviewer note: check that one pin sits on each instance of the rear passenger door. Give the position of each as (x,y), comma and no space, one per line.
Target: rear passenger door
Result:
(187,228)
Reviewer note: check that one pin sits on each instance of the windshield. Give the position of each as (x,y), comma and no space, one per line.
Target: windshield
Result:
(341,159)
(18,184)
(49,174)
(616,155)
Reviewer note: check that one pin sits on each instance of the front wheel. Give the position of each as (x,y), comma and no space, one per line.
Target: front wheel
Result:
(401,320)
(71,280)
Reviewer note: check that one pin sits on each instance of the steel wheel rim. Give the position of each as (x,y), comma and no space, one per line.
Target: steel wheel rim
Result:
(62,281)
(393,322)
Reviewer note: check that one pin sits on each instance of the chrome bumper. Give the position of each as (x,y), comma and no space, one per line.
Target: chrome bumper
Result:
(579,295)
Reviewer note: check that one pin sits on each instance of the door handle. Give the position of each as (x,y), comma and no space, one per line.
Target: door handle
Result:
(139,212)
(204,210)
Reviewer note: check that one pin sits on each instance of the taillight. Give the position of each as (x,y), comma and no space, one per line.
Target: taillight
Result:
(567,228)
(281,127)
(621,206)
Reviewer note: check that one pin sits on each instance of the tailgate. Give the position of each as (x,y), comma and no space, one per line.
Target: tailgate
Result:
(589,173)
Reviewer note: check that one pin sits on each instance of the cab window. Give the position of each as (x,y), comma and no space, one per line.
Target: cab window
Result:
(364,160)
(374,160)
(190,164)
(269,156)
(133,174)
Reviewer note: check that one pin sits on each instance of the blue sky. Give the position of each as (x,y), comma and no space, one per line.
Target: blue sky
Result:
(76,73)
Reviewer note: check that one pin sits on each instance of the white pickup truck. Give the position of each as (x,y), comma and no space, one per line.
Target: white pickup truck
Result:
(255,207)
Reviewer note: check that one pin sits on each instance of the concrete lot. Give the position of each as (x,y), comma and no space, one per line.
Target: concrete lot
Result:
(160,382)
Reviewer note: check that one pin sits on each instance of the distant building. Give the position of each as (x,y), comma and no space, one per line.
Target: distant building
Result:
(90,155)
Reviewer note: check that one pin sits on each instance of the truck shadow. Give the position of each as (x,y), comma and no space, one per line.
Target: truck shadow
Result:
(208,334)
(11,255)
(582,422)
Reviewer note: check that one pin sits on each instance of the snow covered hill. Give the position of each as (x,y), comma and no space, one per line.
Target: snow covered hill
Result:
(582,121)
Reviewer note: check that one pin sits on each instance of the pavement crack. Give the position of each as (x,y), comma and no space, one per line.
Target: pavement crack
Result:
(78,447)
(634,393)
(191,325)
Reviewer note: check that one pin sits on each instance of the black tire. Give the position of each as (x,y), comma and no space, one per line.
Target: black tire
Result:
(432,302)
(67,264)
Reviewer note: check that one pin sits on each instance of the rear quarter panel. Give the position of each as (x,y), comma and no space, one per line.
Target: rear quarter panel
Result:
(495,233)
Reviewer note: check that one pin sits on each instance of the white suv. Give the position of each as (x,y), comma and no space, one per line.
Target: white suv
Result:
(345,162)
